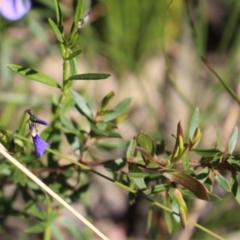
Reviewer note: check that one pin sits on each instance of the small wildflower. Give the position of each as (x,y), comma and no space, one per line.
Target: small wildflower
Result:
(35,119)
(39,144)
(13,10)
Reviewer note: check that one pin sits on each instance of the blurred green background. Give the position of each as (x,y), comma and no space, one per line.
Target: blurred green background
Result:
(153,51)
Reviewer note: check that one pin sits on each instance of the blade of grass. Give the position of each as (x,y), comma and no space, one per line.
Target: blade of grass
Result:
(170,76)
(225,85)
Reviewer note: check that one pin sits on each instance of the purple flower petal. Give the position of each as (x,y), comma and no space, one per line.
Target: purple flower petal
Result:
(39,144)
(40,121)
(35,119)
(14,9)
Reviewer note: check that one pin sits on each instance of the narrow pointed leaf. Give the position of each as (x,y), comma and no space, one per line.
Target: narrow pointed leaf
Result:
(103,133)
(223,183)
(106,100)
(203,175)
(34,75)
(155,189)
(183,211)
(233,140)
(89,76)
(207,152)
(81,104)
(189,182)
(149,220)
(77,15)
(194,122)
(58,13)
(212,197)
(117,110)
(185,162)
(73,67)
(167,215)
(74,54)
(236,189)
(115,165)
(140,183)
(131,149)
(56,31)
(37,228)
(135,172)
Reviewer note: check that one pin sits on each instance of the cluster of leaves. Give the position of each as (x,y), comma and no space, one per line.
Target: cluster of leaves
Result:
(102,125)
(148,169)
(151,167)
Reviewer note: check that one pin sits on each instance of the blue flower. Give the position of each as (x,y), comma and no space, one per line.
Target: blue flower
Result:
(39,144)
(14,9)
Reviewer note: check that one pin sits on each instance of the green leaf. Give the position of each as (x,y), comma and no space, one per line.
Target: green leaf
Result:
(19,177)
(74,40)
(58,13)
(116,165)
(189,182)
(212,197)
(118,110)
(194,122)
(32,210)
(78,14)
(183,211)
(34,75)
(223,182)
(149,219)
(131,149)
(144,141)
(74,54)
(95,131)
(74,142)
(81,104)
(203,175)
(10,142)
(235,163)
(32,185)
(233,140)
(140,183)
(106,100)
(73,71)
(135,172)
(72,228)
(235,189)
(56,30)
(37,228)
(206,152)
(185,162)
(208,184)
(89,76)
(167,215)
(5,169)
(155,189)
(147,150)
(219,142)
